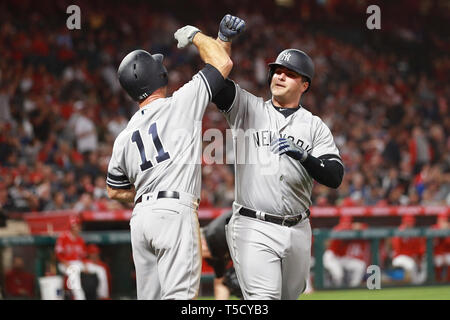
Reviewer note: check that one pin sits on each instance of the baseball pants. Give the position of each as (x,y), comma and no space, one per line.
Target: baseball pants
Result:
(272,262)
(411,267)
(165,239)
(442,260)
(73,271)
(74,280)
(336,266)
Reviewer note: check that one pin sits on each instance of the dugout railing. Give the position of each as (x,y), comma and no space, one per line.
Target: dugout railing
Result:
(44,245)
(119,243)
(374,235)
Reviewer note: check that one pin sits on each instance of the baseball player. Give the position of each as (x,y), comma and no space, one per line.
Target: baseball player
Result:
(156,163)
(101,269)
(280,148)
(215,252)
(347,255)
(408,253)
(335,251)
(70,251)
(441,250)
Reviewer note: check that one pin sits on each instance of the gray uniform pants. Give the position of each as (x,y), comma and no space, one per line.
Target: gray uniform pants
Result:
(271,261)
(165,239)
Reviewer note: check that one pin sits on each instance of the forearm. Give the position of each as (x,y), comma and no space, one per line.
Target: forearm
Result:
(122,195)
(225,45)
(326,172)
(213,53)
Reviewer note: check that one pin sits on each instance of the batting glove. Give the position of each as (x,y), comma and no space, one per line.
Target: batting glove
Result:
(288,147)
(185,35)
(229,27)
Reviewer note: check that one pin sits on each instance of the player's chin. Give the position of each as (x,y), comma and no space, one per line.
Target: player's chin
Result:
(277,91)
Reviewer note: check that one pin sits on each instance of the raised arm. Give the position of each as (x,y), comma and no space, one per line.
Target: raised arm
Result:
(229,27)
(213,52)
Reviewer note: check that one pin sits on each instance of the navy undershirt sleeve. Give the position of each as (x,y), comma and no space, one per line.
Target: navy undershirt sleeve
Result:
(213,80)
(224,99)
(325,170)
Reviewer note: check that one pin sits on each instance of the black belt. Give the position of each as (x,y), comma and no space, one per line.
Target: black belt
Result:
(163,194)
(284,221)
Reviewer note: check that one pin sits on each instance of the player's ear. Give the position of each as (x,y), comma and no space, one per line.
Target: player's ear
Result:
(304,84)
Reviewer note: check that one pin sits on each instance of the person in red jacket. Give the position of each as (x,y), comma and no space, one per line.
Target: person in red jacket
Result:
(349,256)
(356,257)
(408,253)
(441,250)
(70,250)
(95,265)
(335,251)
(19,284)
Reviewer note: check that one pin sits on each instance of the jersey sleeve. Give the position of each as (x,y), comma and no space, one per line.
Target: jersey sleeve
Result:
(323,143)
(194,96)
(116,176)
(242,102)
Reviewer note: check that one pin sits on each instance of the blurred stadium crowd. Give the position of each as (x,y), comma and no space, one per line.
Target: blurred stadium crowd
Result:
(384,95)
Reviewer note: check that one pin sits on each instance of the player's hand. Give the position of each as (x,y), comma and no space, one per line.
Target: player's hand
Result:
(185,35)
(229,27)
(287,146)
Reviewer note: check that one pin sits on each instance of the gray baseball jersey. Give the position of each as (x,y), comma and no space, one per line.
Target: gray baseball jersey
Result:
(160,150)
(161,146)
(272,261)
(264,181)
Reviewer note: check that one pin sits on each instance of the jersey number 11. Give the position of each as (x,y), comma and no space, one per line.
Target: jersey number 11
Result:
(162,155)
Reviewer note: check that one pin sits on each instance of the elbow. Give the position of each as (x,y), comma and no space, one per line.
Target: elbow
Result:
(335,184)
(337,180)
(227,66)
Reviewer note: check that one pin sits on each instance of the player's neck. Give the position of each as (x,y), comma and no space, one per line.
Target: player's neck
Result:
(158,94)
(285,104)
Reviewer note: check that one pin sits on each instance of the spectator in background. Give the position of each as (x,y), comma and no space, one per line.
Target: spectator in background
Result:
(4,204)
(19,284)
(117,123)
(419,149)
(91,165)
(441,250)
(335,251)
(398,112)
(85,131)
(70,250)
(6,93)
(347,256)
(356,257)
(408,253)
(100,188)
(95,265)
(85,203)
(57,203)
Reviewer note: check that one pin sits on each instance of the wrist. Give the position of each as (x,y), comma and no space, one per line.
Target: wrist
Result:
(193,34)
(223,37)
(303,156)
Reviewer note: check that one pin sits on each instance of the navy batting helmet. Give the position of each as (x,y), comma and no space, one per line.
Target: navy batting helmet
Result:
(141,73)
(295,60)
